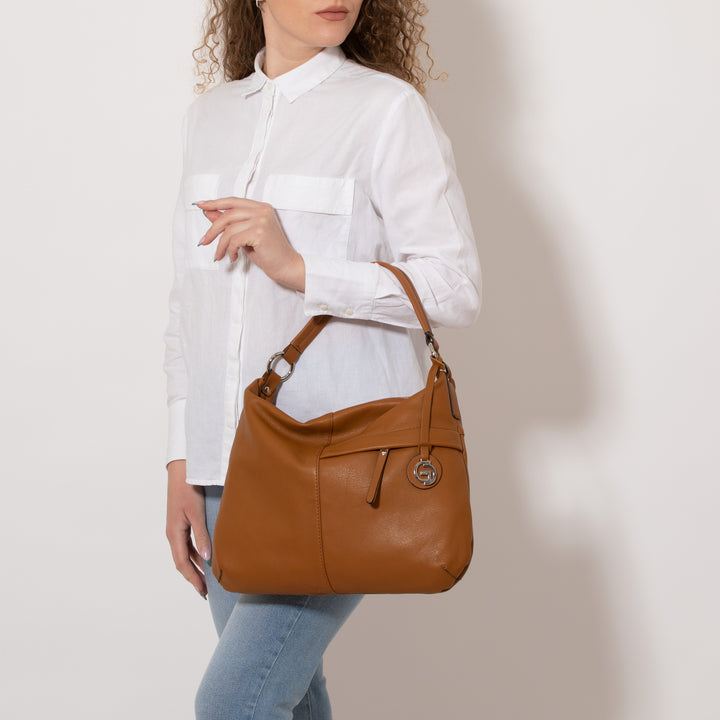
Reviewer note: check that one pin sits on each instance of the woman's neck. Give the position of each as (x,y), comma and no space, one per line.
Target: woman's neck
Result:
(280,59)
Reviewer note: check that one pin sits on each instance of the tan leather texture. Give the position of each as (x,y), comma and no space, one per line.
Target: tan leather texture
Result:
(373,498)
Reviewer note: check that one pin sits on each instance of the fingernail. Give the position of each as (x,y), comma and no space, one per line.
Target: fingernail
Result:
(205,553)
(198,202)
(216,259)
(202,240)
(204,597)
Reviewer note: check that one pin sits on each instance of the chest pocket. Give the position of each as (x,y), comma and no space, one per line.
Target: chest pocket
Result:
(203,186)
(315,211)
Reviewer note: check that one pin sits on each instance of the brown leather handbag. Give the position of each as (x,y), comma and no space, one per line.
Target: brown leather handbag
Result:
(373,498)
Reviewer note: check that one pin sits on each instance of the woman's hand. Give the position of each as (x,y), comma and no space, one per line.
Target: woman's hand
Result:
(254,227)
(186,510)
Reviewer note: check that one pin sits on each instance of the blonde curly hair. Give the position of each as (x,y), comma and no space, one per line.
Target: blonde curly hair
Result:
(386,37)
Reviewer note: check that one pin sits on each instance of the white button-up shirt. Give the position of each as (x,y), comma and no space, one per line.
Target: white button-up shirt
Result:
(358,169)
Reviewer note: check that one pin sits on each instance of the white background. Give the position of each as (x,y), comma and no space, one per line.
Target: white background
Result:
(586,139)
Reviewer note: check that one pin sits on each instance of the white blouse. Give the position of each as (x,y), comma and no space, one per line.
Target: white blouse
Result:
(358,169)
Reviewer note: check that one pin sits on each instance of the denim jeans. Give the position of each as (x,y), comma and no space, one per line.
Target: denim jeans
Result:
(268,661)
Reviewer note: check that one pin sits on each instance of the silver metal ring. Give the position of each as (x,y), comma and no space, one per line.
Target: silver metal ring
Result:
(276,356)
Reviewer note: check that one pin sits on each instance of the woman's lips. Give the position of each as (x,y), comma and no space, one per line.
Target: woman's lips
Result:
(333,14)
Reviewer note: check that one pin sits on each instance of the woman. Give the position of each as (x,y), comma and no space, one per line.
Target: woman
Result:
(317,156)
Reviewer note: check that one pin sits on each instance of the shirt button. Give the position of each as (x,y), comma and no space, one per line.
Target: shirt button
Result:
(348,311)
(324,306)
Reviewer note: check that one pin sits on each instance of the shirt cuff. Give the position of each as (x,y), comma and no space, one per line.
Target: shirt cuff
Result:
(176,432)
(343,288)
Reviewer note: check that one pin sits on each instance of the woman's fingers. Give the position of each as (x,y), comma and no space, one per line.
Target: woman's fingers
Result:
(226,203)
(232,240)
(194,555)
(181,548)
(254,226)
(222,222)
(224,211)
(186,512)
(212,215)
(202,537)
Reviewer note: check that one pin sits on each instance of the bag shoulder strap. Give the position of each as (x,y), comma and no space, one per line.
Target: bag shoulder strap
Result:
(271,380)
(411,292)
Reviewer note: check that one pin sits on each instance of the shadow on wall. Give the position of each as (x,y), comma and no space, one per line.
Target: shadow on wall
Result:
(528,632)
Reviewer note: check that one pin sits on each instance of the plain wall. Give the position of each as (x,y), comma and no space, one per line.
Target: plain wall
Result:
(586,140)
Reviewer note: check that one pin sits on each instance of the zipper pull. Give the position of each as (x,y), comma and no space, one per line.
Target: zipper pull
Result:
(377,476)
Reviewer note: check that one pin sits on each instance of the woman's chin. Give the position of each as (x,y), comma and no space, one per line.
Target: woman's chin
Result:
(332,35)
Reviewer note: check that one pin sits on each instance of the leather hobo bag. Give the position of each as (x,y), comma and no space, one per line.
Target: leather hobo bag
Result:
(373,498)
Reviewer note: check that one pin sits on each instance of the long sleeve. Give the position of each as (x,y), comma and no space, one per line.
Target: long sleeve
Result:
(416,192)
(174,362)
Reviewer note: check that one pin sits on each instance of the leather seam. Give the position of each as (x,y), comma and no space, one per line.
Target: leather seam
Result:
(318,514)
(449,573)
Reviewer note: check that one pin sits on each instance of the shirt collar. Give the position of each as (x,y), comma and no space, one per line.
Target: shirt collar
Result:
(301,79)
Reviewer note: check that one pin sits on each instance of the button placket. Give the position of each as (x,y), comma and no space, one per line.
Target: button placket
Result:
(242,186)
(262,133)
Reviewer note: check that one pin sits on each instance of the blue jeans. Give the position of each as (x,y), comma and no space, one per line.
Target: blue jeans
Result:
(268,661)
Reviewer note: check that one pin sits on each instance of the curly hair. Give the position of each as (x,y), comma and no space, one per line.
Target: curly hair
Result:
(386,37)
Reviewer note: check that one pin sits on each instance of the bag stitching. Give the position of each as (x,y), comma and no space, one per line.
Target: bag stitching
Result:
(317,506)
